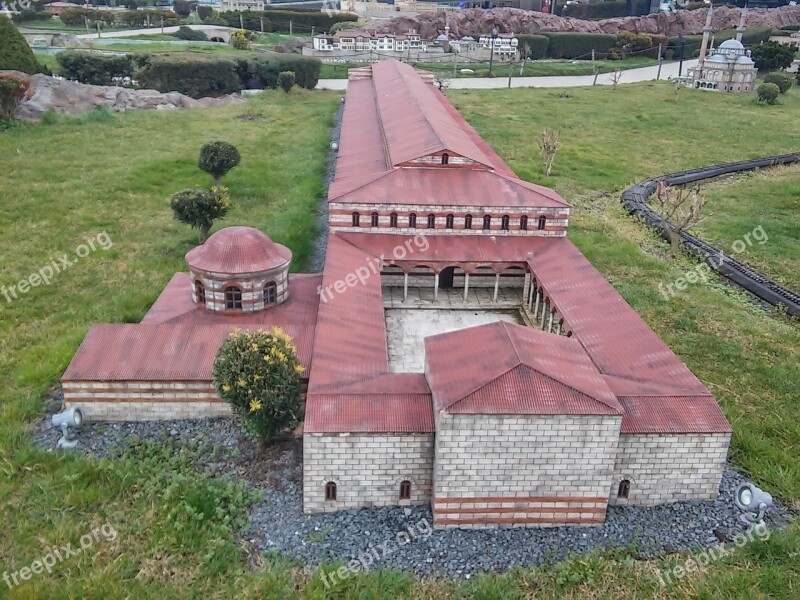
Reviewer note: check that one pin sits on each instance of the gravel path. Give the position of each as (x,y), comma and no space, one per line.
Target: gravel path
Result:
(402,537)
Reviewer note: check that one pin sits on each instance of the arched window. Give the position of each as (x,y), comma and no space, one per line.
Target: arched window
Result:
(412,221)
(504,223)
(405,490)
(233,297)
(468,222)
(431,221)
(542,222)
(270,293)
(523,222)
(374,219)
(445,158)
(624,489)
(448,222)
(487,221)
(393,220)
(200,290)
(330,491)
(356,219)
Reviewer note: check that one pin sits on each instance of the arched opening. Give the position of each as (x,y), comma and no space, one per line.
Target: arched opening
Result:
(270,293)
(330,491)
(393,220)
(504,222)
(374,219)
(624,489)
(449,221)
(356,219)
(405,490)
(233,297)
(200,291)
(412,221)
(523,222)
(446,278)
(445,158)
(487,222)
(542,223)
(431,221)
(468,222)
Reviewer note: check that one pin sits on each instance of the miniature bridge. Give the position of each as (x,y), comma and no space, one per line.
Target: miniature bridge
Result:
(635,201)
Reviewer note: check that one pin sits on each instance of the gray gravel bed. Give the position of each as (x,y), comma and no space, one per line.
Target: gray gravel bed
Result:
(402,537)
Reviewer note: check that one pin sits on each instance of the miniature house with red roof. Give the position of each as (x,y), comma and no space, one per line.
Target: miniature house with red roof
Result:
(460,350)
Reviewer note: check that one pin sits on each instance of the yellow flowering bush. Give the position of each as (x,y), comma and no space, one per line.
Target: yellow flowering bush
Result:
(258,374)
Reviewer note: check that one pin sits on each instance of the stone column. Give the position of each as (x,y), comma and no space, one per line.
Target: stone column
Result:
(538,298)
(435,287)
(558,328)
(550,324)
(466,285)
(405,286)
(544,312)
(496,286)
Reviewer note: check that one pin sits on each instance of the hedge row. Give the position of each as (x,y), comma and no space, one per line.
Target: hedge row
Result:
(578,45)
(279,20)
(127,18)
(605,10)
(263,72)
(197,77)
(93,68)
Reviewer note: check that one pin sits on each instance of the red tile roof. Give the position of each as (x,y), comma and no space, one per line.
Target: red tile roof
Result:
(502,368)
(238,250)
(673,414)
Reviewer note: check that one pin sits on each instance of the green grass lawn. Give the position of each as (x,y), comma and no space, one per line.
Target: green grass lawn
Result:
(68,179)
(538,68)
(768,199)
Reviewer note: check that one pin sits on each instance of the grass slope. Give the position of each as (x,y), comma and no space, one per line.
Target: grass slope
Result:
(68,179)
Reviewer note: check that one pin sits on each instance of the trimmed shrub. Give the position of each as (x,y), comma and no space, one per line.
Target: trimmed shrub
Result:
(263,72)
(78,17)
(199,208)
(194,76)
(259,375)
(239,40)
(578,45)
(204,11)
(12,92)
(217,158)
(631,44)
(192,35)
(93,68)
(286,81)
(768,93)
(782,80)
(15,53)
(28,15)
(182,8)
(279,20)
(536,43)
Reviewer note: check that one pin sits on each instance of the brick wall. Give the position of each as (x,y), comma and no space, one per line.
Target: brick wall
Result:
(665,468)
(522,470)
(367,469)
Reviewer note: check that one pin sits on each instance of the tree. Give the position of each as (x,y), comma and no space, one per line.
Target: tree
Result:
(12,92)
(767,93)
(259,375)
(616,75)
(15,53)
(770,56)
(217,158)
(549,144)
(679,209)
(182,7)
(286,80)
(239,40)
(199,208)
(204,11)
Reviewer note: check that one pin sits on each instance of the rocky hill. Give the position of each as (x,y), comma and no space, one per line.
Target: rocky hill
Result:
(511,20)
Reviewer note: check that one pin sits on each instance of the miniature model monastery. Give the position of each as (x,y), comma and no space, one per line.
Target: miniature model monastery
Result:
(484,367)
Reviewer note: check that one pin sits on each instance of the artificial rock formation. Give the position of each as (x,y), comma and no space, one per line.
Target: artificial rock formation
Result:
(511,20)
(70,97)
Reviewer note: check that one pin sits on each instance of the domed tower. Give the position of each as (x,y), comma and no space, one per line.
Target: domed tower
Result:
(239,269)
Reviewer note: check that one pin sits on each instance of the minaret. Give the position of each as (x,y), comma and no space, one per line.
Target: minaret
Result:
(698,71)
(740,30)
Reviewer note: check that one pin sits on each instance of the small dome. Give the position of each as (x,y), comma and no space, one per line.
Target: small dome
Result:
(731,45)
(744,60)
(238,250)
(442,38)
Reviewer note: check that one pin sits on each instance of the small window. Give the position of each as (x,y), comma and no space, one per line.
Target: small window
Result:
(504,223)
(412,221)
(445,158)
(330,491)
(448,222)
(374,219)
(405,490)
(523,222)
(356,219)
(624,489)
(542,222)
(393,220)
(233,297)
(468,222)
(431,221)
(270,293)
(487,221)
(200,290)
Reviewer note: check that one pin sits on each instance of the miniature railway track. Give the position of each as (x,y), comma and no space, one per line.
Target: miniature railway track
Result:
(635,201)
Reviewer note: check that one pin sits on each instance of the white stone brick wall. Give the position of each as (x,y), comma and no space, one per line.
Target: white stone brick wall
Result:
(151,411)
(500,458)
(665,468)
(367,469)
(252,287)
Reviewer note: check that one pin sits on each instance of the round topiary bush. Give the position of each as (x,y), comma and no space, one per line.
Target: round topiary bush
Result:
(768,93)
(286,80)
(782,80)
(217,158)
(15,53)
(199,208)
(258,374)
